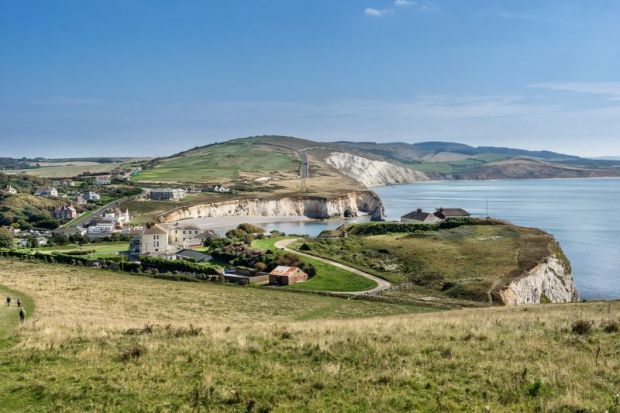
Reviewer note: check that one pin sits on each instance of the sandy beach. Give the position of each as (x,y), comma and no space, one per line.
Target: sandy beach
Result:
(223,224)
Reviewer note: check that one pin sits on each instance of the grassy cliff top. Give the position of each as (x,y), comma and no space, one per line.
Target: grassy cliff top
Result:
(468,262)
(100,341)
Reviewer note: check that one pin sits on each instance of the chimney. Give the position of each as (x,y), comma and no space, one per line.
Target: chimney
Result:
(419,210)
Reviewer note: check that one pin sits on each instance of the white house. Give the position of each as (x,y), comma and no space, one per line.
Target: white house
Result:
(9,190)
(101,227)
(90,196)
(117,216)
(48,192)
(154,241)
(186,236)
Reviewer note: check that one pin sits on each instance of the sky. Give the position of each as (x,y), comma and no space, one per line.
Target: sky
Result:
(150,78)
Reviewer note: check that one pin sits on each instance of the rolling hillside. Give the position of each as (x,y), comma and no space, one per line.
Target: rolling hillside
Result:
(275,162)
(101,341)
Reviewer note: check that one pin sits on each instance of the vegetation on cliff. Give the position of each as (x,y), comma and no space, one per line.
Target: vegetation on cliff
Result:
(465,261)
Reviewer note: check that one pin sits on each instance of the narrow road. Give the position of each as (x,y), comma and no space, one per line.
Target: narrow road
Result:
(303,157)
(381,283)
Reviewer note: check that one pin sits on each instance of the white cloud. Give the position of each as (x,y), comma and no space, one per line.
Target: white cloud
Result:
(376,12)
(403,3)
(611,89)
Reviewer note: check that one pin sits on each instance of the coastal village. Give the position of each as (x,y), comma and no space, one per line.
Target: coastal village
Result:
(86,213)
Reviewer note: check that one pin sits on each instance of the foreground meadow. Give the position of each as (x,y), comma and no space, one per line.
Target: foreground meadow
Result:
(101,341)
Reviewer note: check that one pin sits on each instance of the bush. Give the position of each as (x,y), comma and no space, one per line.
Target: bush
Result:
(133,352)
(250,229)
(6,238)
(611,326)
(582,327)
(162,264)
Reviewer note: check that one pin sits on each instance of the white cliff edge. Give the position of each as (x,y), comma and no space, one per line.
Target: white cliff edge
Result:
(548,282)
(371,172)
(348,205)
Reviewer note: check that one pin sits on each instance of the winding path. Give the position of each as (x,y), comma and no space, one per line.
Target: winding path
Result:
(381,283)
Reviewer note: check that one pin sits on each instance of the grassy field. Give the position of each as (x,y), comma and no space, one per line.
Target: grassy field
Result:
(327,278)
(222,163)
(67,171)
(101,341)
(463,262)
(102,249)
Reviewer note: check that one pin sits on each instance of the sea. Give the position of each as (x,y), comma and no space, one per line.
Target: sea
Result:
(580,213)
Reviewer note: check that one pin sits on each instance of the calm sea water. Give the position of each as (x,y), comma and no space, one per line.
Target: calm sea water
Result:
(580,213)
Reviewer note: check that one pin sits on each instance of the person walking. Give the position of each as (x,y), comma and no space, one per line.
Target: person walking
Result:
(22,315)
(19,303)
(8,301)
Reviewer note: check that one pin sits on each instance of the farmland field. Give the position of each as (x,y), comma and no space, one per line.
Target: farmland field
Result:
(66,171)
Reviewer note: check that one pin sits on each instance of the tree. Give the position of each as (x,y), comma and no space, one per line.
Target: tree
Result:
(6,238)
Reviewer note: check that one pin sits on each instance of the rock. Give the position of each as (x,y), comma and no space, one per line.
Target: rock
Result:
(550,281)
(309,206)
(378,214)
(371,172)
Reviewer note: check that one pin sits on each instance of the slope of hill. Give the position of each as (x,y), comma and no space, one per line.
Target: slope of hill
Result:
(100,341)
(329,167)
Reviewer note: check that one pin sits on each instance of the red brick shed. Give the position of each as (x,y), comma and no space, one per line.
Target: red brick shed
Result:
(282,275)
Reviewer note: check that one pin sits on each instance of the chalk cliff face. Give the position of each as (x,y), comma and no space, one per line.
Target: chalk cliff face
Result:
(371,172)
(550,281)
(348,205)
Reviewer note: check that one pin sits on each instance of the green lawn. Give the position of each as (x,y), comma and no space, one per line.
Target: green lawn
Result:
(327,278)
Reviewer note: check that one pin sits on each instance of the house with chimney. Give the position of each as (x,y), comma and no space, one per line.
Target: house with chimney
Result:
(452,214)
(420,217)
(103,180)
(65,213)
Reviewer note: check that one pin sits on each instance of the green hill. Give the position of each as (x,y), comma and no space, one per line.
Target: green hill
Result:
(277,158)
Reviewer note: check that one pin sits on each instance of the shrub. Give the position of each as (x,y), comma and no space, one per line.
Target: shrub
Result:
(611,326)
(133,352)
(582,327)
(250,229)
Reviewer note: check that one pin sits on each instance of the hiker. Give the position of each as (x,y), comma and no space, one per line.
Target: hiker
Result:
(8,301)
(19,303)
(22,315)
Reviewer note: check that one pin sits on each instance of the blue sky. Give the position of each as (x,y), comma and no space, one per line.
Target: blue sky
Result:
(135,77)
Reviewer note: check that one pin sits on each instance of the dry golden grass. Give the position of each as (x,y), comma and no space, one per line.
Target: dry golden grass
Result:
(251,354)
(69,296)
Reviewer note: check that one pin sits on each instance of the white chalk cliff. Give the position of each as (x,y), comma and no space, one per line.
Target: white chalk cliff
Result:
(347,205)
(550,281)
(371,172)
